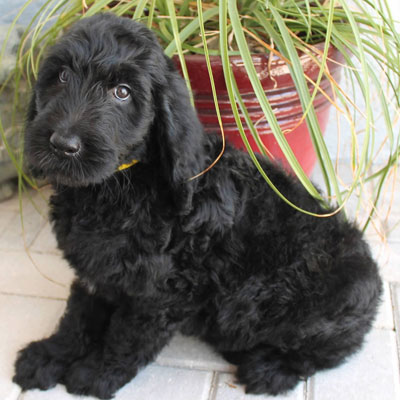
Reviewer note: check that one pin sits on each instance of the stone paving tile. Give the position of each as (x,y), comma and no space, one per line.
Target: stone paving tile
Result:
(20,274)
(35,210)
(5,218)
(394,234)
(385,230)
(14,237)
(22,320)
(156,383)
(395,289)
(386,222)
(45,242)
(344,171)
(152,383)
(387,255)
(12,204)
(388,209)
(384,319)
(385,225)
(371,374)
(225,388)
(39,197)
(56,393)
(352,208)
(190,352)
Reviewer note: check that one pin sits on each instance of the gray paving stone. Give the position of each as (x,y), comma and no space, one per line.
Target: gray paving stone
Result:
(152,383)
(5,218)
(384,319)
(56,393)
(43,275)
(189,352)
(17,237)
(394,231)
(386,221)
(395,289)
(22,320)
(387,255)
(39,197)
(386,226)
(156,383)
(371,374)
(12,204)
(388,209)
(225,388)
(45,242)
(353,209)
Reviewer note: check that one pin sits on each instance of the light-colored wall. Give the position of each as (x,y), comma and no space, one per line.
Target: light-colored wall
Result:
(331,135)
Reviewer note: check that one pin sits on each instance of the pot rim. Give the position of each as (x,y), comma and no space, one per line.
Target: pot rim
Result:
(201,57)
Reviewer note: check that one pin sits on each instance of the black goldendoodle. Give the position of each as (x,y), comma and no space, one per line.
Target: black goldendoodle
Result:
(278,293)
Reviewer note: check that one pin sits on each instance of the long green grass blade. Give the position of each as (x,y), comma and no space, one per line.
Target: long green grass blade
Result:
(95,7)
(366,35)
(123,9)
(139,9)
(228,79)
(12,27)
(264,103)
(175,29)
(364,88)
(43,21)
(151,13)
(247,118)
(311,117)
(191,28)
(201,20)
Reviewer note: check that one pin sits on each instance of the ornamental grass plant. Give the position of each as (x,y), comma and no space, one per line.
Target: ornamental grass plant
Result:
(364,31)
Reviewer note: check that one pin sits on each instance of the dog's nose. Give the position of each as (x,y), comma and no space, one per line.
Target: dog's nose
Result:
(69,145)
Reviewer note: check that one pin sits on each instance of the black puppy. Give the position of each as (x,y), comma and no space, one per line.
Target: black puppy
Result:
(279,293)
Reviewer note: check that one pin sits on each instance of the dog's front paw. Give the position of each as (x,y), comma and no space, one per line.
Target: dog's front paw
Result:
(36,368)
(91,377)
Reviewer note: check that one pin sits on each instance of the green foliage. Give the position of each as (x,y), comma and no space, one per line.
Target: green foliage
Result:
(365,34)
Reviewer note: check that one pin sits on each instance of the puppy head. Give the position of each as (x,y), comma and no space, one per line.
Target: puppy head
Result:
(93,105)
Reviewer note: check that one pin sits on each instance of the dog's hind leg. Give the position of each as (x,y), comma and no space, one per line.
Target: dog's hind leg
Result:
(42,364)
(324,339)
(265,369)
(268,369)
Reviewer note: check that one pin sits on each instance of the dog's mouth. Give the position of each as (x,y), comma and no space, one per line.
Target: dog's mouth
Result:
(81,164)
(66,172)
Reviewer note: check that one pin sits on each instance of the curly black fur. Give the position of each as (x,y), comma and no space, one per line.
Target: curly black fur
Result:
(279,293)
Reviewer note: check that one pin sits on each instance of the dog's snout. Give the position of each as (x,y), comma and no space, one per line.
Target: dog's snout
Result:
(69,145)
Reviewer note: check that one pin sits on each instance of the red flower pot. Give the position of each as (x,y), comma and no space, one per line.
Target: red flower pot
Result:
(281,92)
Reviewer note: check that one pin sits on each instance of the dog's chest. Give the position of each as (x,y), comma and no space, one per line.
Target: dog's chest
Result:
(106,240)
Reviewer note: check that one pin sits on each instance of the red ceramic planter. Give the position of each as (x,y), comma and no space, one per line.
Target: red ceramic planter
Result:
(281,92)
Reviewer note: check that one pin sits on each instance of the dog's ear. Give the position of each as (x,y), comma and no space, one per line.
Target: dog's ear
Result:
(179,136)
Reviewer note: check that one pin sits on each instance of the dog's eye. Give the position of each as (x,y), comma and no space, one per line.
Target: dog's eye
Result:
(122,92)
(63,76)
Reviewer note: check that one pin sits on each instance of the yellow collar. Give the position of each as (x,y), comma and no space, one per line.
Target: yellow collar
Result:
(125,166)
